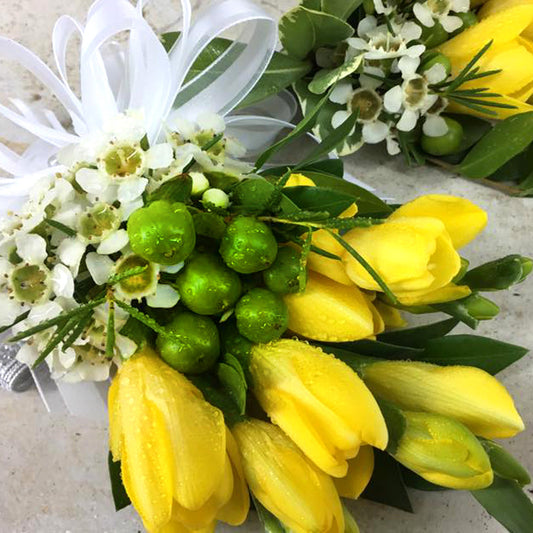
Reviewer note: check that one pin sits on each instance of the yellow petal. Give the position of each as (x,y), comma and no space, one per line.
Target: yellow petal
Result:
(496,6)
(360,470)
(462,219)
(331,268)
(147,459)
(467,394)
(350,212)
(196,430)
(449,293)
(318,401)
(286,482)
(329,311)
(299,180)
(115,426)
(236,509)
(390,315)
(501,28)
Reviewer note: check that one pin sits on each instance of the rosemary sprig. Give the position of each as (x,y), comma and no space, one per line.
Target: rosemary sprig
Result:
(83,322)
(306,249)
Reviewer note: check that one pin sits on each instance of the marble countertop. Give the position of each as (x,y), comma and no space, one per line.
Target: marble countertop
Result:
(54,467)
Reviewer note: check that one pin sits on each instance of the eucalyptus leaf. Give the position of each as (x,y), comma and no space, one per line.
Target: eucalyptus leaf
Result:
(499,274)
(324,78)
(396,424)
(177,189)
(333,166)
(303,30)
(507,139)
(418,336)
(120,496)
(471,350)
(387,485)
(508,504)
(504,464)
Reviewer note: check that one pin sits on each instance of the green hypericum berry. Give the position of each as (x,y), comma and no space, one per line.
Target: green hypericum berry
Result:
(254,194)
(162,232)
(235,344)
(194,346)
(248,245)
(446,144)
(469,19)
(436,58)
(215,198)
(283,276)
(434,36)
(140,285)
(261,315)
(31,283)
(207,286)
(99,222)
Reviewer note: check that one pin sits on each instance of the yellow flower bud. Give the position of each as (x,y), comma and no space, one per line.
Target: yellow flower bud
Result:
(318,401)
(286,482)
(509,25)
(329,311)
(413,255)
(360,470)
(443,452)
(467,394)
(171,442)
(462,219)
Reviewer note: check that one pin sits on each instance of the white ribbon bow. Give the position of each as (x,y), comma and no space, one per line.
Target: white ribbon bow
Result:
(138,75)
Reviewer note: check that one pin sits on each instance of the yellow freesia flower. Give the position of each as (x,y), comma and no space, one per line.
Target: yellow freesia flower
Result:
(299,180)
(443,452)
(318,401)
(329,311)
(172,444)
(463,220)
(360,470)
(509,24)
(467,394)
(289,485)
(415,256)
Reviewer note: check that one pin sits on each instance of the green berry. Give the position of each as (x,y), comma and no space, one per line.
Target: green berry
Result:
(283,277)
(446,144)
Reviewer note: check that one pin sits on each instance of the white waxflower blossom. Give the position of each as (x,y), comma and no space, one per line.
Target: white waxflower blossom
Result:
(379,42)
(364,100)
(413,97)
(432,11)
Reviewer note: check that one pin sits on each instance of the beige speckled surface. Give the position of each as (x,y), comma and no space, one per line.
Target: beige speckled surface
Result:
(53,475)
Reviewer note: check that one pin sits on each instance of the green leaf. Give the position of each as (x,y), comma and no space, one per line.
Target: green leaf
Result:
(340,8)
(61,227)
(496,275)
(177,189)
(380,349)
(138,332)
(418,336)
(319,199)
(469,310)
(396,424)
(303,126)
(231,375)
(517,169)
(333,166)
(504,464)
(508,504)
(20,318)
(507,139)
(387,485)
(324,79)
(471,350)
(120,496)
(303,30)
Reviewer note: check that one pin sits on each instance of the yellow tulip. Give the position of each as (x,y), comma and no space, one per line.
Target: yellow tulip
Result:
(329,311)
(172,445)
(320,403)
(467,394)
(462,219)
(509,24)
(360,470)
(443,452)
(286,482)
(413,255)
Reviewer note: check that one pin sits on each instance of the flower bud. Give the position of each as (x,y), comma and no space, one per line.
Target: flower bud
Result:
(199,183)
(443,452)
(215,198)
(467,394)
(290,486)
(318,401)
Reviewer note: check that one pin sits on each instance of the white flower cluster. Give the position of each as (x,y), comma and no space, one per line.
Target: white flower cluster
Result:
(392,89)
(71,233)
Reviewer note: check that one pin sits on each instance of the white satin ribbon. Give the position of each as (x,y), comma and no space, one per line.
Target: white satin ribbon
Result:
(140,74)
